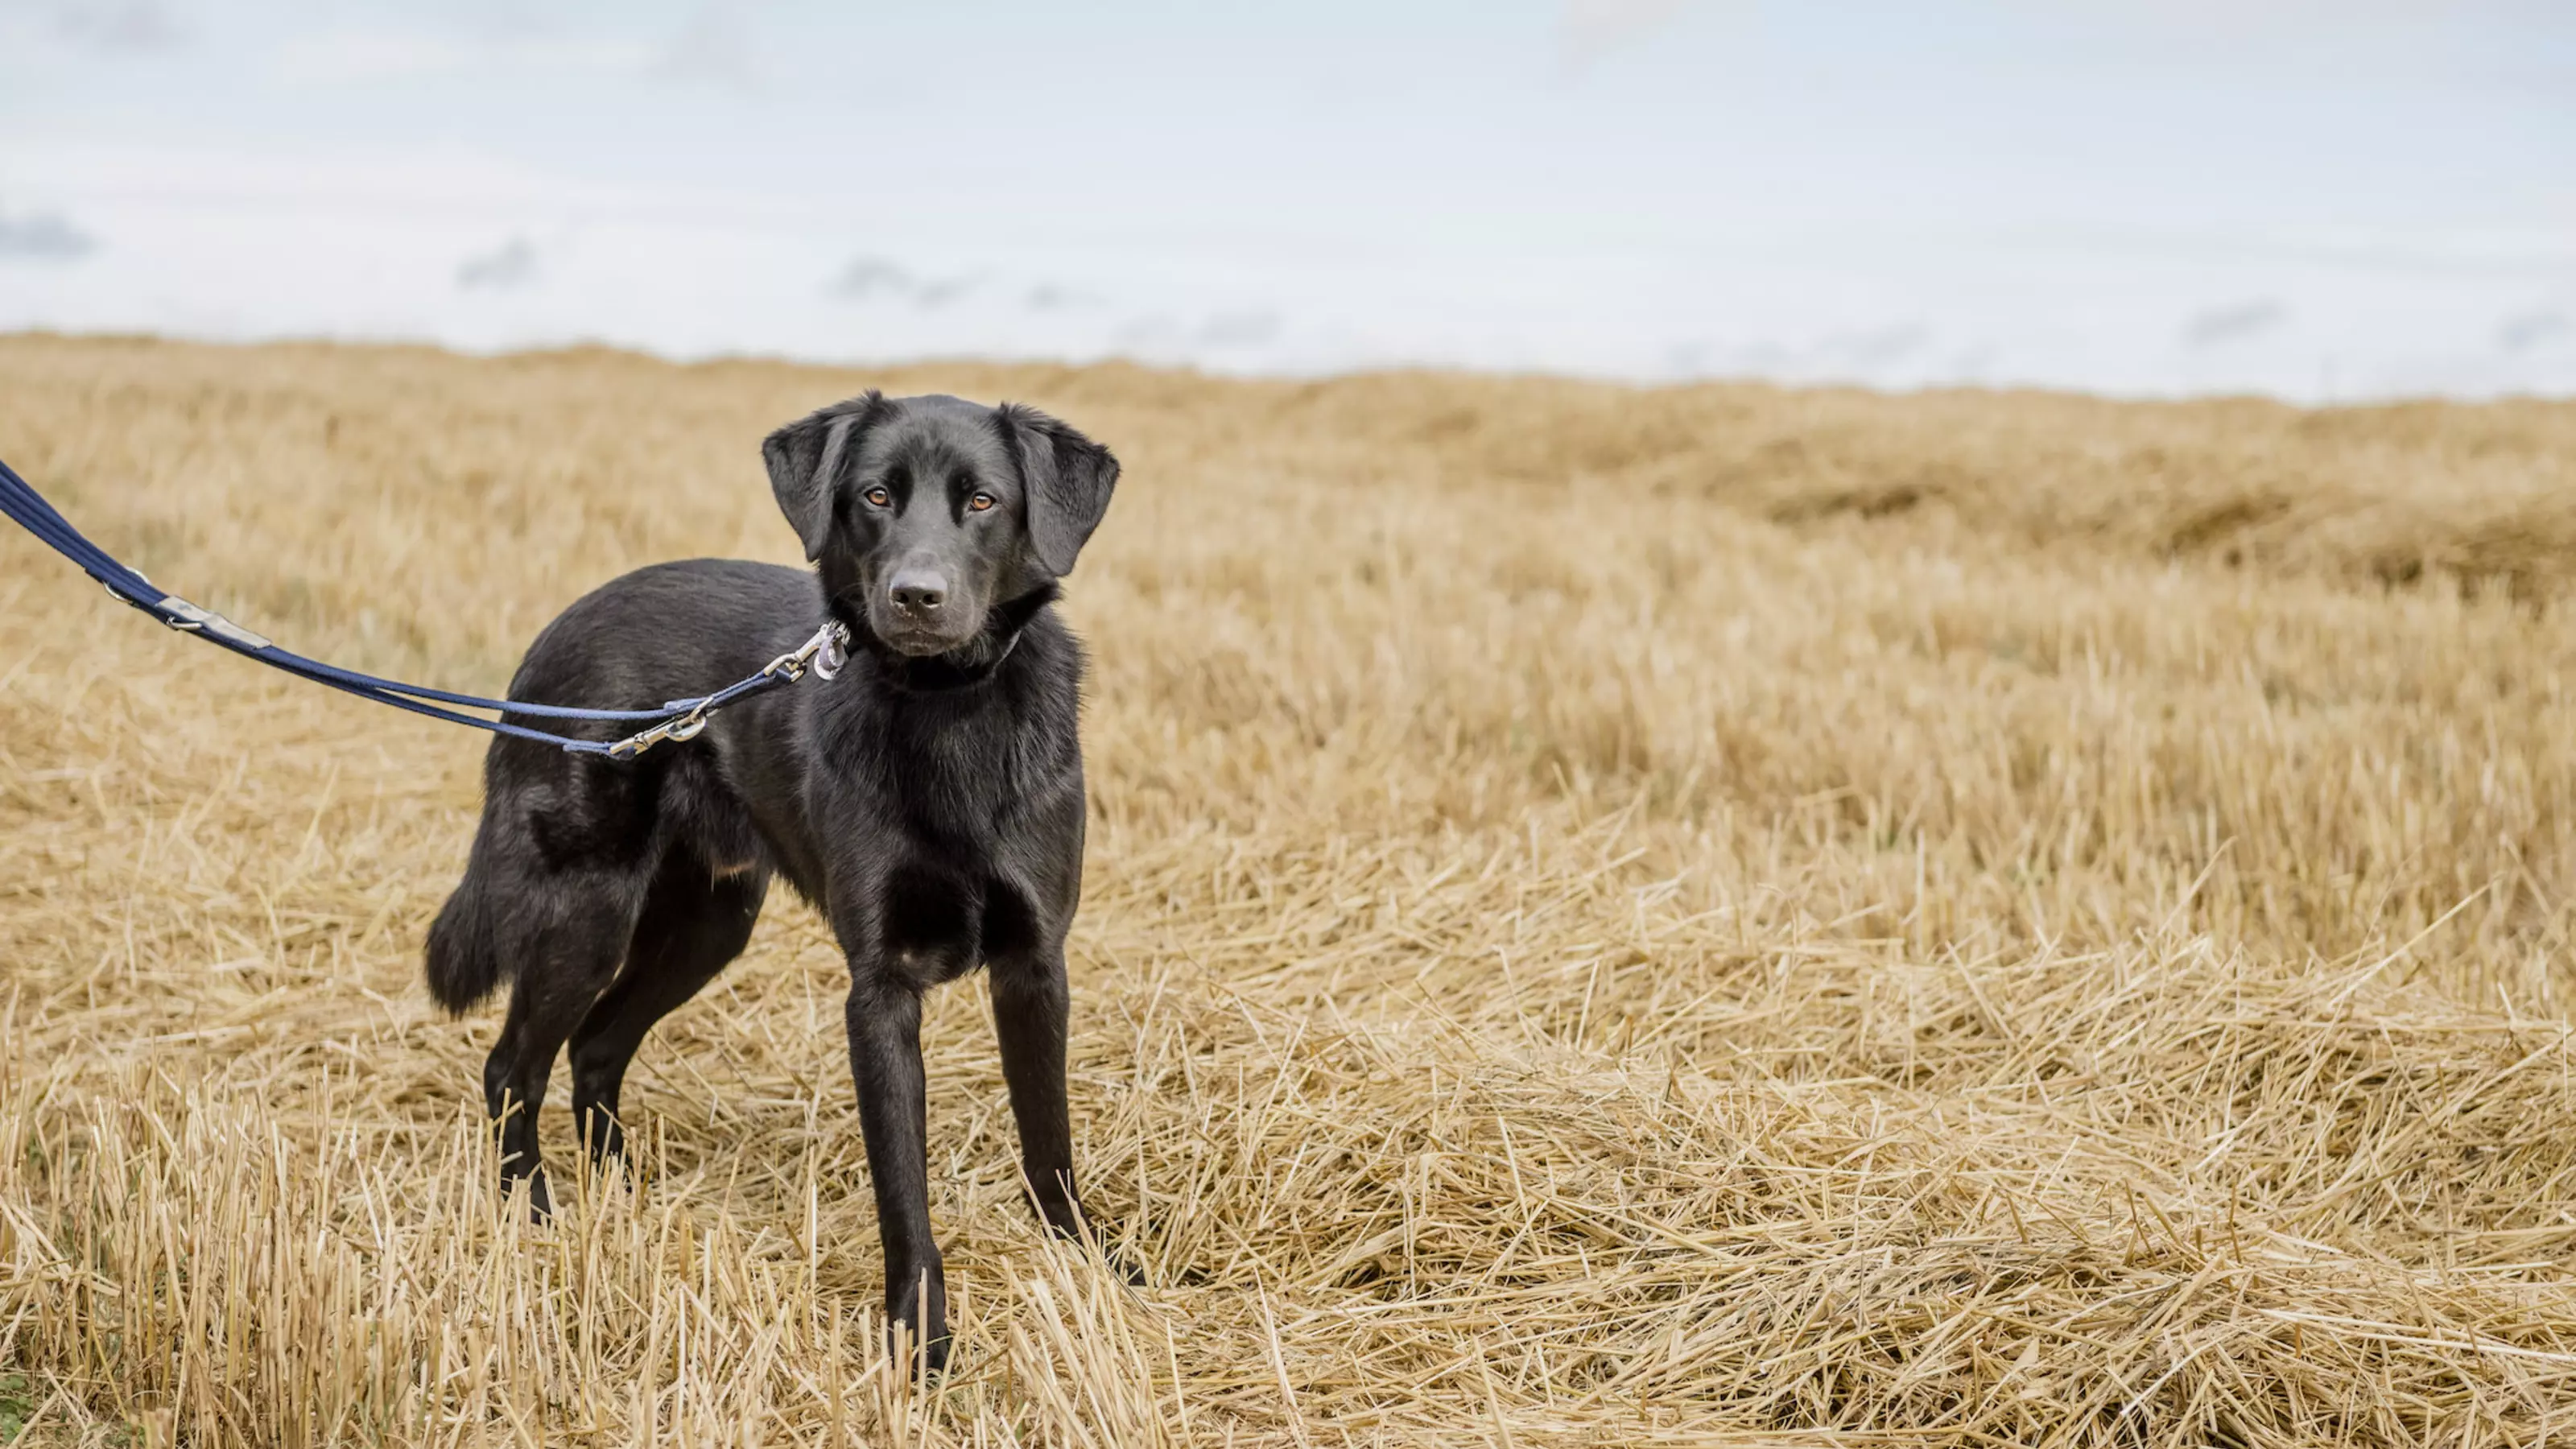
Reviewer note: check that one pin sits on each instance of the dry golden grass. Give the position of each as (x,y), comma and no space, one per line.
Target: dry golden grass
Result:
(1616,917)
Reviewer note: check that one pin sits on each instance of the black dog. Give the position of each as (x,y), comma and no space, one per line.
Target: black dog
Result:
(928,799)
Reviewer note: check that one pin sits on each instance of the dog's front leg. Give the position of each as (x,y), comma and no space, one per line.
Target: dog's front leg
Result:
(1030,1004)
(885,1059)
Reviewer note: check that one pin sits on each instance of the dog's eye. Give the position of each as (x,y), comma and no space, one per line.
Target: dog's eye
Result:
(880,497)
(980,502)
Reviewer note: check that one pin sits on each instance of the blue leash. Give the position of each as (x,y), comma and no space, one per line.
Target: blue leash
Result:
(680,719)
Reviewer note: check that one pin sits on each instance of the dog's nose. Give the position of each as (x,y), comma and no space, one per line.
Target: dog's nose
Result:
(918,591)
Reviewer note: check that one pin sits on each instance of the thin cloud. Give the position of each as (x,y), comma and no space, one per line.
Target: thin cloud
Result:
(119,27)
(1763,356)
(513,265)
(1239,329)
(2240,17)
(1876,347)
(1149,331)
(1587,30)
(2534,329)
(43,236)
(714,48)
(380,55)
(1838,354)
(2234,323)
(1051,297)
(868,278)
(1976,361)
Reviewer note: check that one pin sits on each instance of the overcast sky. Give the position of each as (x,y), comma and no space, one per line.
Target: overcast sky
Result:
(2314,198)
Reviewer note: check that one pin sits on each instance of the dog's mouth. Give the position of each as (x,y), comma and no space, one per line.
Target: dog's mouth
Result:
(918,638)
(917,643)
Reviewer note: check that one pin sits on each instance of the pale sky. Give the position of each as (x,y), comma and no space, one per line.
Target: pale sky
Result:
(2314,198)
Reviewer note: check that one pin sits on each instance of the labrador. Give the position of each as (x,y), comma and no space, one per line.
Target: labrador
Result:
(928,798)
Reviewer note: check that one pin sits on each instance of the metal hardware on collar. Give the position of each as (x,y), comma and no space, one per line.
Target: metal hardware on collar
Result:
(825,653)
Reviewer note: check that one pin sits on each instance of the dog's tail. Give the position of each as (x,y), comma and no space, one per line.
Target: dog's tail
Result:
(464,964)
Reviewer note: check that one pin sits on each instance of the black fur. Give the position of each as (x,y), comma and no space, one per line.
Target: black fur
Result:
(929,800)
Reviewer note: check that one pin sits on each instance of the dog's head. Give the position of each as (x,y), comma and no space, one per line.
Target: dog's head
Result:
(925,513)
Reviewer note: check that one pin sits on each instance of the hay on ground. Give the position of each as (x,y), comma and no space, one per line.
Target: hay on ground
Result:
(1615,917)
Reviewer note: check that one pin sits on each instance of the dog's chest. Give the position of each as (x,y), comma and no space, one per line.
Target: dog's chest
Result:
(936,922)
(959,831)
(955,774)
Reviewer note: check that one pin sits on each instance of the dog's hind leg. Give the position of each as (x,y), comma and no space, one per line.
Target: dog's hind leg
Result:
(570,960)
(693,923)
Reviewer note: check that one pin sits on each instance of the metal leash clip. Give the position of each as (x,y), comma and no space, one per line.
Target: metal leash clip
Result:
(686,727)
(825,654)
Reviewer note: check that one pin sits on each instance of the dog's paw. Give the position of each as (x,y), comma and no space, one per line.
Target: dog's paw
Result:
(1124,1264)
(917,1324)
(922,1360)
(1102,1240)
(541,1200)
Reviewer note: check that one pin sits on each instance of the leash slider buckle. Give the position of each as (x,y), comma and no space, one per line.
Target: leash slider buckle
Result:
(186,617)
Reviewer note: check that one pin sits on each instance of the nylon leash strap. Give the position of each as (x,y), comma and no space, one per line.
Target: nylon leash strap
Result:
(823,654)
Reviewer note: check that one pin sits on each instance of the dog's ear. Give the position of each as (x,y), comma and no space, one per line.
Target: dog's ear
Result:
(805,458)
(1068,479)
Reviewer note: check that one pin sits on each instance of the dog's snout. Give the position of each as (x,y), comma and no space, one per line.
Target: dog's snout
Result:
(918,591)
(926,602)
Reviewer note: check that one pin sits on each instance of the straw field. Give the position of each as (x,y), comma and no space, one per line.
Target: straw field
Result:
(1614,917)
